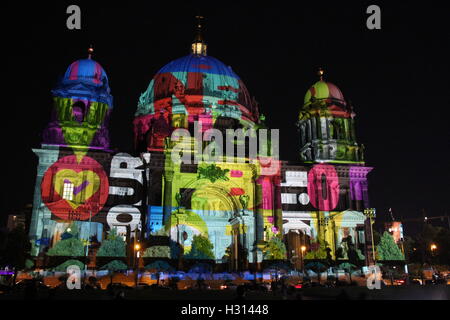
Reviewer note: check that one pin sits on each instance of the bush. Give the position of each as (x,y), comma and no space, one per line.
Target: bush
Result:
(63,266)
(319,254)
(387,249)
(157,252)
(113,246)
(275,249)
(201,248)
(71,247)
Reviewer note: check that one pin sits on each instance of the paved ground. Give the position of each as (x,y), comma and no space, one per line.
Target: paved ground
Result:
(432,292)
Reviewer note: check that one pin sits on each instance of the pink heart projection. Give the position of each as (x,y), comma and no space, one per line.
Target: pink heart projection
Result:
(75,190)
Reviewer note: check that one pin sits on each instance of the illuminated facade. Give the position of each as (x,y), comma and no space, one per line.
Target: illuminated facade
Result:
(238,204)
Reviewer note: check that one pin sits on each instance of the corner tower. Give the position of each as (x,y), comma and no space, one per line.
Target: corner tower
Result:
(327,126)
(82,107)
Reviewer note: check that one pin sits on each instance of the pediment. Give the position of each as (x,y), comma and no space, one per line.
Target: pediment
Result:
(350,215)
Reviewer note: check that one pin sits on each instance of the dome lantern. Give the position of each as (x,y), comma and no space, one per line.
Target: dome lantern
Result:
(320,73)
(199,45)
(90,51)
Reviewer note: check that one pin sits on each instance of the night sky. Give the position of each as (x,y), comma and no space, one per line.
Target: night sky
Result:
(396,78)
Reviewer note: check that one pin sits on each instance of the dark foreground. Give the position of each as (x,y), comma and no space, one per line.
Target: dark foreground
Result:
(431,292)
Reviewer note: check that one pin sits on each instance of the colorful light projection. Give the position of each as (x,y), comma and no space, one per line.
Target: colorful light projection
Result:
(74,190)
(80,124)
(323,187)
(193,88)
(82,106)
(327,128)
(82,191)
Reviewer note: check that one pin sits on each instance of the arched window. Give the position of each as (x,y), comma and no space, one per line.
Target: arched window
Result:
(78,111)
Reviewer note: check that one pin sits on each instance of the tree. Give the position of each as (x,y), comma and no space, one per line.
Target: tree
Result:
(69,245)
(319,253)
(212,172)
(113,246)
(29,264)
(16,250)
(387,249)
(201,248)
(275,249)
(157,252)
(63,266)
(113,267)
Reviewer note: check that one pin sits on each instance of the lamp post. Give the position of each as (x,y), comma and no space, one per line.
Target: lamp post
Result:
(433,247)
(87,246)
(137,248)
(371,213)
(303,249)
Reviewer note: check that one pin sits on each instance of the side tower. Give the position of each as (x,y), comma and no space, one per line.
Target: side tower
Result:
(325,196)
(71,183)
(82,108)
(327,127)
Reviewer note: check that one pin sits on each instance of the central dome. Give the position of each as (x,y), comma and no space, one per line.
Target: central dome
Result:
(199,63)
(198,84)
(195,88)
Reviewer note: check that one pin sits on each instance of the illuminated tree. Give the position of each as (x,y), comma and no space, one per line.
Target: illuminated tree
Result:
(275,249)
(63,266)
(201,248)
(157,252)
(320,253)
(69,245)
(113,246)
(113,267)
(387,249)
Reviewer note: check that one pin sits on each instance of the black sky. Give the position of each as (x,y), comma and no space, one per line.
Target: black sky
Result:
(396,77)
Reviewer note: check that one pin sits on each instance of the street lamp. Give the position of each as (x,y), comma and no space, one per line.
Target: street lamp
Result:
(433,248)
(137,248)
(303,249)
(371,213)
(87,245)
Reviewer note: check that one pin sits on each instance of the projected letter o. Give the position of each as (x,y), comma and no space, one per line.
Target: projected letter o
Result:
(119,214)
(303,198)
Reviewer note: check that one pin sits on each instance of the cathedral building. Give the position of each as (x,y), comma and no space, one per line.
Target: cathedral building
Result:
(238,203)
